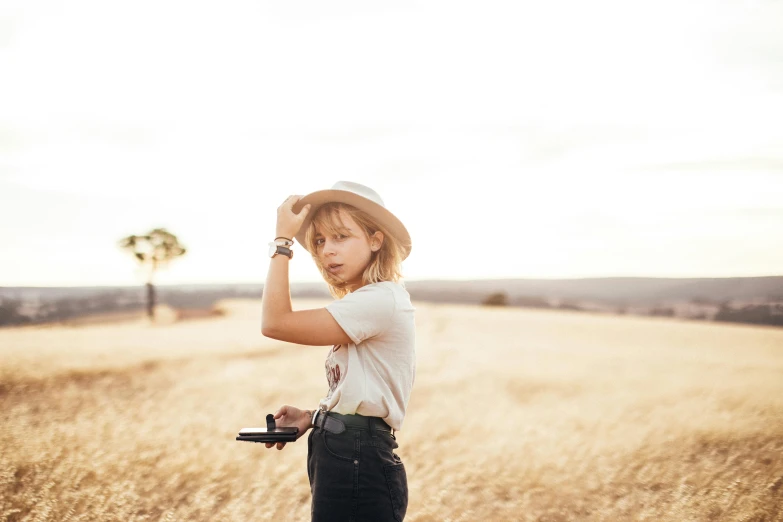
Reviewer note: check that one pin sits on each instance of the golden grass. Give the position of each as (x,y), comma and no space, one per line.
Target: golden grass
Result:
(515,415)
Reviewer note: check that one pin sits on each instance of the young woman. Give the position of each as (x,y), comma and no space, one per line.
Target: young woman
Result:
(358,246)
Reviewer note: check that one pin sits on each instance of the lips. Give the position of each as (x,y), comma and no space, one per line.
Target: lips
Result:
(334,267)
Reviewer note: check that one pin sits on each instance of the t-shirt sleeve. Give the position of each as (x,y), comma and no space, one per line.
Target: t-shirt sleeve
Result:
(364,313)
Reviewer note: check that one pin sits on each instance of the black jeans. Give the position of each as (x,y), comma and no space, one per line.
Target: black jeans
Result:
(355,475)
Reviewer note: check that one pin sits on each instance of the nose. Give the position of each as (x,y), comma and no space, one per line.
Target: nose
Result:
(328,248)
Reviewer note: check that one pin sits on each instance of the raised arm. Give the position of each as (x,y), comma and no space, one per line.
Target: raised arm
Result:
(278,321)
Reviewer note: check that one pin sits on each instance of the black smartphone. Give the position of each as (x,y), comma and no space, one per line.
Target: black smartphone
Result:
(267,435)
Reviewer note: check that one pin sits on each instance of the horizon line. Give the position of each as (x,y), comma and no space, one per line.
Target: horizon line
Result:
(405,280)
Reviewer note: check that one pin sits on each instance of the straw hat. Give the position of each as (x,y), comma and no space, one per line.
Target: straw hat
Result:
(362,197)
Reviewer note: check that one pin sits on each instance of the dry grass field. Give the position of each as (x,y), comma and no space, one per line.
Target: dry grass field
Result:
(515,415)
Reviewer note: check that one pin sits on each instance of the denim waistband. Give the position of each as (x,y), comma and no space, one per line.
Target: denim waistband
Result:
(361,421)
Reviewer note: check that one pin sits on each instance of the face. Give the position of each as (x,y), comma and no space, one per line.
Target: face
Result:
(346,253)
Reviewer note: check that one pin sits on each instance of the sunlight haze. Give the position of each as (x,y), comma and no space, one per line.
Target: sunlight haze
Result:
(513,139)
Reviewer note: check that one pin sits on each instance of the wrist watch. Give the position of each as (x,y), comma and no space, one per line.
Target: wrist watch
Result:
(276,248)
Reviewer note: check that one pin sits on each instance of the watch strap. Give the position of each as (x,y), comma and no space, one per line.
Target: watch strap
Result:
(283,250)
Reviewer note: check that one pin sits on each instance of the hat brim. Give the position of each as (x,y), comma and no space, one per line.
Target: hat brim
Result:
(379,213)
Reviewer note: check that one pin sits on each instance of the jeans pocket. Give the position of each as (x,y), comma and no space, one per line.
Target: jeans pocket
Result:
(397,480)
(344,446)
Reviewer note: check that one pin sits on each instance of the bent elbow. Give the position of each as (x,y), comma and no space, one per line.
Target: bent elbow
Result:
(268,331)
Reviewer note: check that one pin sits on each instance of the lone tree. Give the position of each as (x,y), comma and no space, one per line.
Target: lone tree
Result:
(154,250)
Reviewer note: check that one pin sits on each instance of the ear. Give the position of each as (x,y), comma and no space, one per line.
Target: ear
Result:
(376,240)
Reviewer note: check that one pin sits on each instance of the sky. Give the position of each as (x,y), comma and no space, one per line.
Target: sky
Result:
(520,139)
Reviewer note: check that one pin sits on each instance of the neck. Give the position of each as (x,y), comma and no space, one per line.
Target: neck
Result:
(354,285)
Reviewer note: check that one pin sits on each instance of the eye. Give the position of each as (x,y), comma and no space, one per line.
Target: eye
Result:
(318,242)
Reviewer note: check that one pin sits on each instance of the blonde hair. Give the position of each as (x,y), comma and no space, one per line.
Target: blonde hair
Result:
(385,263)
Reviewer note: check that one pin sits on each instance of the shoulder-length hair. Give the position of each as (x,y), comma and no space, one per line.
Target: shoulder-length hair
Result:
(385,263)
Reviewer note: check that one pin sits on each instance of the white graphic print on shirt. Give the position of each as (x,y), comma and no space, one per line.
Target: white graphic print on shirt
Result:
(335,366)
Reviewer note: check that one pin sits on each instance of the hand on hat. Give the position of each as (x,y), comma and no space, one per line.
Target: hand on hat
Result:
(288,223)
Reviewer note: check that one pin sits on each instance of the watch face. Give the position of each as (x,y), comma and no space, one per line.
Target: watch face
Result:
(272,250)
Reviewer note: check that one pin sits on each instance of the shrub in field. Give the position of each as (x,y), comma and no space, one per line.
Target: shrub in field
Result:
(496,299)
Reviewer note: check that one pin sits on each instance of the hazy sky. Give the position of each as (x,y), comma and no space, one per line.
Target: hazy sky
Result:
(514,139)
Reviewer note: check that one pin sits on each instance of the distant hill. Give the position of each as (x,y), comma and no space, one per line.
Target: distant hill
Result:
(608,290)
(708,298)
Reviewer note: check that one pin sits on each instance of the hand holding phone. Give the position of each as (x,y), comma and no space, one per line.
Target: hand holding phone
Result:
(286,425)
(292,416)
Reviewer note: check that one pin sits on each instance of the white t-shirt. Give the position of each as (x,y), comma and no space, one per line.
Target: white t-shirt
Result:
(373,375)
